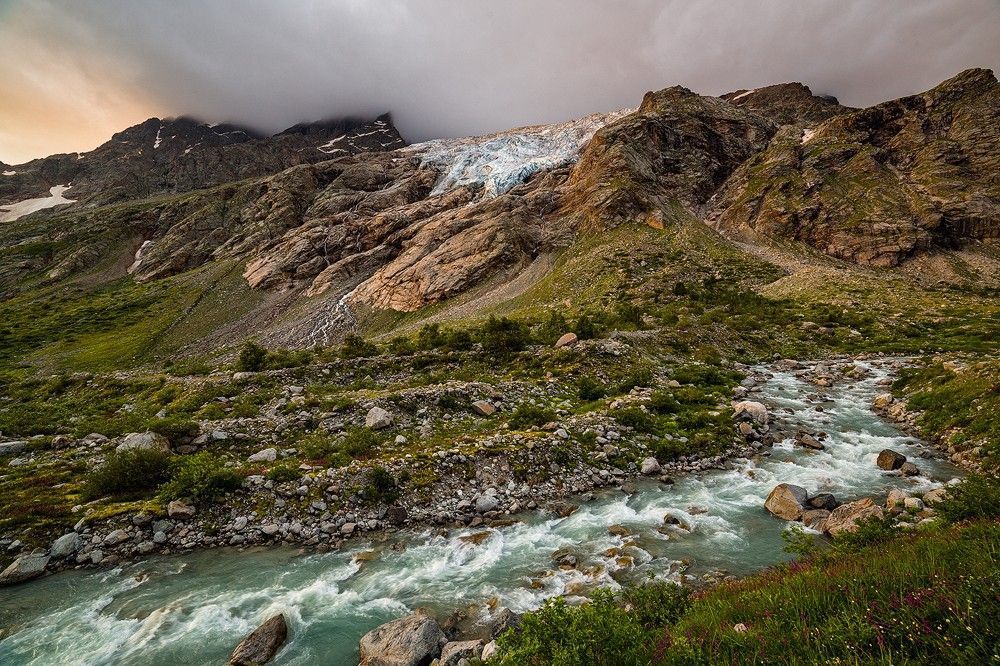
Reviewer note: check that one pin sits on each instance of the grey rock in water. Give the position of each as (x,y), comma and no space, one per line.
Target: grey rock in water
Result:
(413,640)
(787,501)
(23,569)
(262,644)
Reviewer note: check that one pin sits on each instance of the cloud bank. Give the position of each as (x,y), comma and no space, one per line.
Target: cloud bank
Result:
(74,71)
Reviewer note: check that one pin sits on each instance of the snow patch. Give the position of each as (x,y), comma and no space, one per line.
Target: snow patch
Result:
(742,95)
(10,173)
(11,212)
(138,255)
(500,161)
(807,135)
(156,144)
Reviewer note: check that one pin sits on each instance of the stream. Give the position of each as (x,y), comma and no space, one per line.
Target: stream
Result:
(194,608)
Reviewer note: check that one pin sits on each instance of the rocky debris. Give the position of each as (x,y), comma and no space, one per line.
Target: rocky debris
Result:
(483,408)
(378,419)
(24,568)
(454,652)
(748,410)
(181,510)
(890,460)
(846,516)
(66,545)
(413,640)
(262,644)
(567,340)
(787,501)
(150,441)
(650,467)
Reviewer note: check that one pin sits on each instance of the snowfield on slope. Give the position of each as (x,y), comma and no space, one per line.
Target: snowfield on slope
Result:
(500,161)
(11,212)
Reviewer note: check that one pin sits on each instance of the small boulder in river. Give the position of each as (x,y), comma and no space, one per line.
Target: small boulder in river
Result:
(787,501)
(890,460)
(909,469)
(750,410)
(23,569)
(262,644)
(413,640)
(846,516)
(823,501)
(802,438)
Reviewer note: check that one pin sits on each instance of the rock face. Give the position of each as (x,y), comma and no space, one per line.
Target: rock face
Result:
(787,501)
(879,185)
(889,460)
(23,569)
(788,104)
(846,516)
(262,644)
(410,641)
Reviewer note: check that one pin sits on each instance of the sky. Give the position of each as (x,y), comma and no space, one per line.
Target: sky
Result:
(73,72)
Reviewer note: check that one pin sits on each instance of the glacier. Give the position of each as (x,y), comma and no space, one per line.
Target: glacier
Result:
(500,161)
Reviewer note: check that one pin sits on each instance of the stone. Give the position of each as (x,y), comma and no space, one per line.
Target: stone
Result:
(396,515)
(823,501)
(455,651)
(913,504)
(806,440)
(413,640)
(378,419)
(150,441)
(181,510)
(882,401)
(487,503)
(846,516)
(506,620)
(66,545)
(567,339)
(890,460)
(489,651)
(909,469)
(895,499)
(746,429)
(650,467)
(935,496)
(483,408)
(750,410)
(116,537)
(24,568)
(265,455)
(262,643)
(347,529)
(815,518)
(786,501)
(12,448)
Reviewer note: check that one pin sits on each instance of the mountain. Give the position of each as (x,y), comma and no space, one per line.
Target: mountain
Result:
(181,154)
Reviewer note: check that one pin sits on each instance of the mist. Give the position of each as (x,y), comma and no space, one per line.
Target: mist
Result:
(75,71)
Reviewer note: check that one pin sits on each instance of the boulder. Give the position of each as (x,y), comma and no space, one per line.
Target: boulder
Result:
(890,460)
(914,504)
(455,651)
(846,516)
(895,499)
(396,515)
(823,501)
(413,640)
(650,466)
(802,438)
(506,620)
(23,569)
(486,503)
(787,501)
(748,410)
(66,545)
(567,339)
(262,643)
(882,401)
(181,509)
(935,496)
(815,518)
(144,440)
(378,418)
(266,455)
(483,408)
(909,469)
(12,448)
(489,651)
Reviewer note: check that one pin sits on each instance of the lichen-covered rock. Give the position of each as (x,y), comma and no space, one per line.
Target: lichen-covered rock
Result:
(149,441)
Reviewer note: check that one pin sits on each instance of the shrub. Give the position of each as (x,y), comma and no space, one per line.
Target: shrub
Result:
(131,472)
(356,347)
(656,605)
(590,389)
(663,402)
(504,336)
(283,473)
(526,415)
(380,486)
(553,328)
(637,377)
(251,358)
(175,429)
(978,496)
(201,477)
(634,417)
(585,328)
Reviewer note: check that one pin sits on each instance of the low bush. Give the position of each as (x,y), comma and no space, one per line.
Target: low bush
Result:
(637,418)
(977,497)
(380,486)
(503,336)
(527,415)
(200,477)
(283,473)
(590,389)
(174,428)
(132,472)
(252,357)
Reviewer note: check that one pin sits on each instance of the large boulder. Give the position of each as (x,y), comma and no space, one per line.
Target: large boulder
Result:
(12,448)
(454,652)
(66,545)
(650,466)
(483,408)
(787,501)
(804,439)
(890,460)
(486,503)
(24,568)
(846,516)
(413,640)
(150,441)
(378,418)
(262,643)
(748,410)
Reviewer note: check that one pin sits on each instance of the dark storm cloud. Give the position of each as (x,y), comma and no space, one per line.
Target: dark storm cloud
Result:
(455,67)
